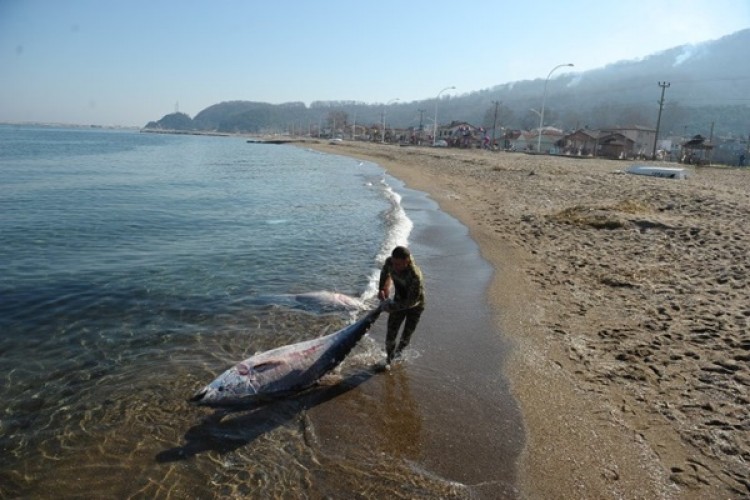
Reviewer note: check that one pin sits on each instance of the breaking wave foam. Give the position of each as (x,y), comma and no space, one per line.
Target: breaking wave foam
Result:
(399,228)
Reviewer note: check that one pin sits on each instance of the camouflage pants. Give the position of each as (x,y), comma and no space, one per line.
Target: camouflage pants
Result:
(395,319)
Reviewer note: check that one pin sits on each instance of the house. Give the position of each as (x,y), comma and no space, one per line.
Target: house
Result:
(616,143)
(696,151)
(550,142)
(582,142)
(642,138)
(461,135)
(615,146)
(520,140)
(510,138)
(669,148)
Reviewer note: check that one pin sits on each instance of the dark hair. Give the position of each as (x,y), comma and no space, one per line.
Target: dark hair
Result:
(401,253)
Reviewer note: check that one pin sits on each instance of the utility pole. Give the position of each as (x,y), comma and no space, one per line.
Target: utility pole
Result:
(421,126)
(663,86)
(494,125)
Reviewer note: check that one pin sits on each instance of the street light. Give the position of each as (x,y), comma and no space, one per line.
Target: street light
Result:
(382,135)
(544,98)
(435,125)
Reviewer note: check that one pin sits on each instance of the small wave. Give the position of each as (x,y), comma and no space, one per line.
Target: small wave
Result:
(399,227)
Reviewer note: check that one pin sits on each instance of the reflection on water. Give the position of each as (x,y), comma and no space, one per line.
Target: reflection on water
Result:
(402,423)
(226,430)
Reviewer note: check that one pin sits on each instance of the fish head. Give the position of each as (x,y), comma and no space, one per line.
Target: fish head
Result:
(240,384)
(235,385)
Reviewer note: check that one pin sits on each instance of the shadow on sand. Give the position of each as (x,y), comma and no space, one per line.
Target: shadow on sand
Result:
(228,429)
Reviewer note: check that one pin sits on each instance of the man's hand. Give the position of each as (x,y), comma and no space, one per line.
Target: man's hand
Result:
(382,294)
(386,305)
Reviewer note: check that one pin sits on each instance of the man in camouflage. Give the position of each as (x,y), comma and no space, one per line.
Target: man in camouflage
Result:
(408,303)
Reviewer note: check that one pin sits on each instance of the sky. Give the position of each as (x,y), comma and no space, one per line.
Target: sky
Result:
(125,63)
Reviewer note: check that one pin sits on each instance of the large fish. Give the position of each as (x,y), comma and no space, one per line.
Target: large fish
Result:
(285,369)
(321,301)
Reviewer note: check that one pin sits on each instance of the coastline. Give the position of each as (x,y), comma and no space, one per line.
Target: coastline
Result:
(624,299)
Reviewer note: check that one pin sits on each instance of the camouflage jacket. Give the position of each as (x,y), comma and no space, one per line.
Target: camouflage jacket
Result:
(409,285)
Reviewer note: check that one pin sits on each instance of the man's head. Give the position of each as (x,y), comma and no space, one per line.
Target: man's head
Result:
(401,257)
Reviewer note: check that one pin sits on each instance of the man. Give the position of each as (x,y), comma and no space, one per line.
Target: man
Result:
(408,303)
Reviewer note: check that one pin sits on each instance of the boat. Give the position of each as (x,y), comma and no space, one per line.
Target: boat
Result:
(665,172)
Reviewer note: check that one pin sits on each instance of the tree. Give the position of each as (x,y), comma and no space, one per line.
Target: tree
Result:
(337,120)
(505,117)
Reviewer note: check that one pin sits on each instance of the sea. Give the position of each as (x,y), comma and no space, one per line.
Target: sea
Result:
(136,267)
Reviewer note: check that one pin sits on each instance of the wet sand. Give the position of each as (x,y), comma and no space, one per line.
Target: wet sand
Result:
(625,298)
(442,423)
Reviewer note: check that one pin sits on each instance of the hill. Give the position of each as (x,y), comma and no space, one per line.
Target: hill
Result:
(709,87)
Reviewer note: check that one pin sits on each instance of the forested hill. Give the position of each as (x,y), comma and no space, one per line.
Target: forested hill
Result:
(708,85)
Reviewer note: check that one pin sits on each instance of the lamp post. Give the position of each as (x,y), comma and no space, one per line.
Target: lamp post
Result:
(544,98)
(435,125)
(382,135)
(421,126)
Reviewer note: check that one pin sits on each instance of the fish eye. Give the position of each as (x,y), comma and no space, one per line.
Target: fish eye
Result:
(221,388)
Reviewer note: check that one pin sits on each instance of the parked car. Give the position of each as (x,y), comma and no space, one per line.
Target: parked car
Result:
(440,143)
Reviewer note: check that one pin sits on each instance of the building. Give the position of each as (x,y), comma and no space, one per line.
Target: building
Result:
(461,135)
(582,142)
(696,151)
(642,138)
(616,143)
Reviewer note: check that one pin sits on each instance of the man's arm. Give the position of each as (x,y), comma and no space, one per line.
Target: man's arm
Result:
(384,284)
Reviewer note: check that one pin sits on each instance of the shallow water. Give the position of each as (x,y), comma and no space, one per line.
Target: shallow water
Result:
(130,273)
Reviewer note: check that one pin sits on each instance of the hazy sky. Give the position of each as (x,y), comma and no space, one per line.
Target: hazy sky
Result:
(128,62)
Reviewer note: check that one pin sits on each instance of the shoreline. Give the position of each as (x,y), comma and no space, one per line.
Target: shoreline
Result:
(624,299)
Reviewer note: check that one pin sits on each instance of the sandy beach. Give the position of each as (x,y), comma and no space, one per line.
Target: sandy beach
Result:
(626,300)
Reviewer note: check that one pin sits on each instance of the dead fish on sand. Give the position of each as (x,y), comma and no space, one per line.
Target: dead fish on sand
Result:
(285,369)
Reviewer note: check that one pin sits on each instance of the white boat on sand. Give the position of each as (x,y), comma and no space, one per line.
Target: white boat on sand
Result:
(665,172)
